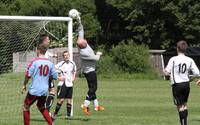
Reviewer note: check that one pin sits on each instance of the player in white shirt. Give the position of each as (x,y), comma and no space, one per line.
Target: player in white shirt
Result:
(179,68)
(66,69)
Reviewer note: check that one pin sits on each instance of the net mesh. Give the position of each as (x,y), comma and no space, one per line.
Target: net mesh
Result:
(18,41)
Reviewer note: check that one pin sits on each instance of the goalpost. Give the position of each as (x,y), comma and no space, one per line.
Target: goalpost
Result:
(18,39)
(37,18)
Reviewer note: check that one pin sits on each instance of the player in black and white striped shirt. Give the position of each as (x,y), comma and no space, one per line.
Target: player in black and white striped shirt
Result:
(178,68)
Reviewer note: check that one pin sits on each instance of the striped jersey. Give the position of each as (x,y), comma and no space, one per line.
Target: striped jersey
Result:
(180,67)
(66,69)
(40,70)
(88,59)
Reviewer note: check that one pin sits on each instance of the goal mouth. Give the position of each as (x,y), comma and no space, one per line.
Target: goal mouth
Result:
(18,39)
(19,34)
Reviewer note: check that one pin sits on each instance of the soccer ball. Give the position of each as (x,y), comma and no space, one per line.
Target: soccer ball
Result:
(73,13)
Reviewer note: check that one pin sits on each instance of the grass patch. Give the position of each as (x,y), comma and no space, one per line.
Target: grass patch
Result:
(126,101)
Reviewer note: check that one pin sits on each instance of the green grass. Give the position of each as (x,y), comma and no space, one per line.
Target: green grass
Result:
(127,102)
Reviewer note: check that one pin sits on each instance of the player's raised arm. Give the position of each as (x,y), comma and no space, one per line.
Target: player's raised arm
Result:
(80,31)
(82,44)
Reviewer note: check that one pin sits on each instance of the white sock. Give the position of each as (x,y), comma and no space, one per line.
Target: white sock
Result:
(96,103)
(86,103)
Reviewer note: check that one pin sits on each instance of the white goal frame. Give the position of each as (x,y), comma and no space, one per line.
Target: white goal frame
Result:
(43,18)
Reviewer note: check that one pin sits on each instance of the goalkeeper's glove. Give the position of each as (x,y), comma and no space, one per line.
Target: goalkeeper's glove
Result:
(99,53)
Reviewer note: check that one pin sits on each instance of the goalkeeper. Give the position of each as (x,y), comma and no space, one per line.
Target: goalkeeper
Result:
(88,62)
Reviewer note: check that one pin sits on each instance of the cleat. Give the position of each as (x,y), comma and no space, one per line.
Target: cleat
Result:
(86,110)
(99,108)
(68,117)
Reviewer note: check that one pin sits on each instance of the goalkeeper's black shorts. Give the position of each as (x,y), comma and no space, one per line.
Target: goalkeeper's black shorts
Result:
(92,85)
(180,93)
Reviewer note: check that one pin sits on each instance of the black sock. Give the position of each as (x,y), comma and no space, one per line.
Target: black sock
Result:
(186,115)
(49,101)
(183,117)
(58,106)
(69,107)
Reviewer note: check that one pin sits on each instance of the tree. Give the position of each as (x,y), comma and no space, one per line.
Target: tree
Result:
(44,8)
(55,8)
(157,23)
(160,23)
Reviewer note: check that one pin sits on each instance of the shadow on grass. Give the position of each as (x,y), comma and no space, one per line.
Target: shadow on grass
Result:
(62,116)
(37,120)
(69,119)
(196,120)
(78,119)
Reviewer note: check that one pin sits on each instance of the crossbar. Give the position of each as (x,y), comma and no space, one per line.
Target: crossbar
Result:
(44,18)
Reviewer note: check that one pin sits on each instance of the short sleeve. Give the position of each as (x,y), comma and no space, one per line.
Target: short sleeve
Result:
(169,65)
(30,70)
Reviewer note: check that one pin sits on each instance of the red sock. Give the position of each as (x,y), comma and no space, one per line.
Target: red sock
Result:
(46,115)
(26,117)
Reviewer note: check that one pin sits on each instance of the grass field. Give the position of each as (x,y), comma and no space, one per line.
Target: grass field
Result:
(127,102)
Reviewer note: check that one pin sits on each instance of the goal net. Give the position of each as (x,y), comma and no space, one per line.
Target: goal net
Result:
(18,39)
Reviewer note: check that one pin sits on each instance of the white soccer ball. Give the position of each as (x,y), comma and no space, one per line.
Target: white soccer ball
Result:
(73,13)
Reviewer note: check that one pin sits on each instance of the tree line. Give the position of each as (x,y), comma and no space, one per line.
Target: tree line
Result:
(158,24)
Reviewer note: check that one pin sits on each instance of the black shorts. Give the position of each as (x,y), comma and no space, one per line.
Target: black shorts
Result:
(51,84)
(64,92)
(180,93)
(92,85)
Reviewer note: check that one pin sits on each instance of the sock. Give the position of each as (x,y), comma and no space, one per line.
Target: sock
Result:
(96,103)
(186,115)
(26,117)
(49,101)
(186,112)
(58,106)
(46,116)
(86,103)
(69,107)
(183,117)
